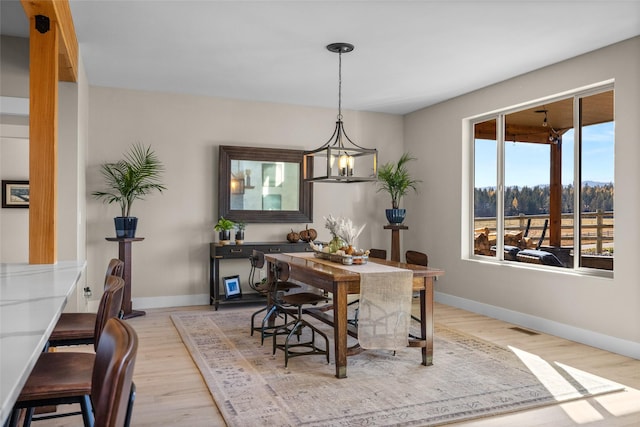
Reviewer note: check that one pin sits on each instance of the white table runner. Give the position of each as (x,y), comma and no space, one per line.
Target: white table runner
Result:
(385,303)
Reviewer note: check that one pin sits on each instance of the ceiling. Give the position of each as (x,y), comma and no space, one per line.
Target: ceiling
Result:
(408,54)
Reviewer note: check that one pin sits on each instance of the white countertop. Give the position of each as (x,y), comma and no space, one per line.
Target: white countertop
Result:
(31,300)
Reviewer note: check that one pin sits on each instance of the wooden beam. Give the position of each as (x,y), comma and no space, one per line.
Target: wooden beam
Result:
(59,12)
(555,195)
(43,141)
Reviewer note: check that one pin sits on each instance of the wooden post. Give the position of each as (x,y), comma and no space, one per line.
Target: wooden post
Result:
(395,240)
(43,140)
(555,195)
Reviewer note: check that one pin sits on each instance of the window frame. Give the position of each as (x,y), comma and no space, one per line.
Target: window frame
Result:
(499,116)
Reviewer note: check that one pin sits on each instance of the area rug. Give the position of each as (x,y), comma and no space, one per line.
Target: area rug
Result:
(470,378)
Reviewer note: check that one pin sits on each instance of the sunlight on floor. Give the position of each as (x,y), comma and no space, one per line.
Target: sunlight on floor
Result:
(566,382)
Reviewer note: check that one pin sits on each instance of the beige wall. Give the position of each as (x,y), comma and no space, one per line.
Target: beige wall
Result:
(170,267)
(565,303)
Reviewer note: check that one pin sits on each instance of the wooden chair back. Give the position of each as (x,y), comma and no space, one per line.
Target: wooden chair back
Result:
(418,258)
(114,268)
(112,376)
(110,305)
(378,253)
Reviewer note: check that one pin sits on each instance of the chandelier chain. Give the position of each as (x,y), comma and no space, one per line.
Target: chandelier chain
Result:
(340,85)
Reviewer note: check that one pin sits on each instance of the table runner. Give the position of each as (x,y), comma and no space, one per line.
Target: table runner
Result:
(385,303)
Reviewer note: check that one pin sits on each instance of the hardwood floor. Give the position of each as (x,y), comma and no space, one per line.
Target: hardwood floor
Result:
(172,393)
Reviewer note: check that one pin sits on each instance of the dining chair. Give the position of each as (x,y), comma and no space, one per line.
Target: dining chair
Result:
(66,377)
(79,328)
(378,253)
(296,301)
(415,257)
(264,287)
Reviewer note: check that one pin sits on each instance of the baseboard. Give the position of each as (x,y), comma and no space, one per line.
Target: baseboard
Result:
(583,336)
(170,301)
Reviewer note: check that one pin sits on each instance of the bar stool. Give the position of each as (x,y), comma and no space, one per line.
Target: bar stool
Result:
(66,377)
(79,328)
(294,328)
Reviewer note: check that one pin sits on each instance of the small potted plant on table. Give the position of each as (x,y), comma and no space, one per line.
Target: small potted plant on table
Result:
(240,226)
(224,227)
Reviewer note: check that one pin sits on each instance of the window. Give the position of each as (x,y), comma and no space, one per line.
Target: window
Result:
(526,164)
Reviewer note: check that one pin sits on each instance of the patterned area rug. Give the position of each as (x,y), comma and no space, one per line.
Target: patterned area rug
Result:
(470,378)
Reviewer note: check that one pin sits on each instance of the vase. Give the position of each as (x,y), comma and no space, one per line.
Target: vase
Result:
(395,216)
(239,237)
(225,237)
(126,226)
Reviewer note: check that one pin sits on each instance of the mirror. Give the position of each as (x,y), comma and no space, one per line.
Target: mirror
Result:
(263,185)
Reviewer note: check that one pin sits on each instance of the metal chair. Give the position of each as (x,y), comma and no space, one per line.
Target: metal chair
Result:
(79,328)
(264,287)
(294,328)
(67,377)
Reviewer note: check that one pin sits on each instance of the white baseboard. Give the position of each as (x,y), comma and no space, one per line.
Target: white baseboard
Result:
(583,336)
(169,301)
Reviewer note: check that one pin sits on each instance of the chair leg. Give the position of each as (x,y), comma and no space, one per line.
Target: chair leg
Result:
(311,344)
(132,398)
(253,316)
(28,416)
(87,411)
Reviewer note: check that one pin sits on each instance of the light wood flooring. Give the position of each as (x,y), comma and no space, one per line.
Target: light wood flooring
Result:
(172,393)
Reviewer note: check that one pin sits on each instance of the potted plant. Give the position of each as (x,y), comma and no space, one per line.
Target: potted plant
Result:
(240,226)
(129,179)
(224,227)
(395,179)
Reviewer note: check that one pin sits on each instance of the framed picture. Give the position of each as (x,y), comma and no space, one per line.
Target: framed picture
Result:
(15,194)
(232,287)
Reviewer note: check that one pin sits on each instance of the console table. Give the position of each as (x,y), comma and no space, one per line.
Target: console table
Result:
(219,252)
(124,254)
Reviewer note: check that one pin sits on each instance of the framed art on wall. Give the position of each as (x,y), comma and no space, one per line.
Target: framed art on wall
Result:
(15,194)
(232,287)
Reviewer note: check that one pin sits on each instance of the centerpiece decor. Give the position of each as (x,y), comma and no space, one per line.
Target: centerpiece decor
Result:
(341,247)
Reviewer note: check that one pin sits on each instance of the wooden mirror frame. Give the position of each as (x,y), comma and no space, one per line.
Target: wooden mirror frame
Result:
(227,153)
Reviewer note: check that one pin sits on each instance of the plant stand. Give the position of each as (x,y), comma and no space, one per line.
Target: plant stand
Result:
(395,240)
(124,253)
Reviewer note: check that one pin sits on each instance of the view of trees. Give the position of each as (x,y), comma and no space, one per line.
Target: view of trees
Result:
(535,200)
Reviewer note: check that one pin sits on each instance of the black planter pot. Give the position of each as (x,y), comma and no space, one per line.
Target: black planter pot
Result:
(126,226)
(395,216)
(239,237)
(225,236)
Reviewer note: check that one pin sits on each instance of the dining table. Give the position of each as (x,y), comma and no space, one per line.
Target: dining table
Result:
(32,297)
(342,280)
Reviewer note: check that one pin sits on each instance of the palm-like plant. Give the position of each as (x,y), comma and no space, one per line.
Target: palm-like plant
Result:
(131,178)
(395,179)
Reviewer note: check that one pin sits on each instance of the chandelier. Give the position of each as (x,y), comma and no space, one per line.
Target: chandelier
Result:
(340,159)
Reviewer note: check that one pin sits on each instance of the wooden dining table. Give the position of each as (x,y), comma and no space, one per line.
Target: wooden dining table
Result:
(336,279)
